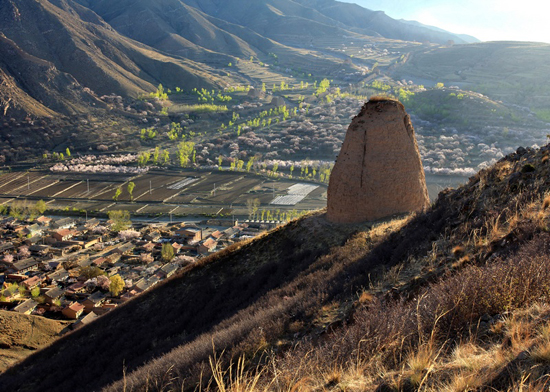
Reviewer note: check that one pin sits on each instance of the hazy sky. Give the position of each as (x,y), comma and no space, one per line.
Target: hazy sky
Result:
(487,20)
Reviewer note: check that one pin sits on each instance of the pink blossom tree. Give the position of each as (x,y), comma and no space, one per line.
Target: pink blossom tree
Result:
(103,282)
(23,252)
(146,258)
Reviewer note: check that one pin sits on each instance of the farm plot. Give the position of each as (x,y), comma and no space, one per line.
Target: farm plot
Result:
(35,186)
(98,190)
(296,193)
(196,210)
(21,182)
(147,188)
(55,189)
(183,199)
(206,185)
(229,192)
(7,179)
(183,183)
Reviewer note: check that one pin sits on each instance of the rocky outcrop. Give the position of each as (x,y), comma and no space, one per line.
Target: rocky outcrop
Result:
(277,101)
(378,172)
(255,93)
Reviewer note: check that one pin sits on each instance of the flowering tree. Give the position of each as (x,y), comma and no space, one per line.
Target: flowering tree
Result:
(146,258)
(8,258)
(100,229)
(183,260)
(127,235)
(103,282)
(24,252)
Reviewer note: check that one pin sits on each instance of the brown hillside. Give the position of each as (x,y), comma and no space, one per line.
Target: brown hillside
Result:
(70,39)
(21,334)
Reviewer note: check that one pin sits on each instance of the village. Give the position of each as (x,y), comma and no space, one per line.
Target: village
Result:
(78,269)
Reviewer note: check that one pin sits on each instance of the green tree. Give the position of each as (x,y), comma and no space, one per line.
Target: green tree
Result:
(156,155)
(120,220)
(117,194)
(90,272)
(165,157)
(131,187)
(249,164)
(35,292)
(117,285)
(184,152)
(167,252)
(68,152)
(16,210)
(40,206)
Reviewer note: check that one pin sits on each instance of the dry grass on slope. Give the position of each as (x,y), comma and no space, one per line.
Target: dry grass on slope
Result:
(21,334)
(487,261)
(484,328)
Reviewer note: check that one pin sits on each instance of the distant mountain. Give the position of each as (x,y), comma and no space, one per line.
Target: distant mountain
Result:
(279,18)
(362,20)
(73,51)
(468,38)
(55,49)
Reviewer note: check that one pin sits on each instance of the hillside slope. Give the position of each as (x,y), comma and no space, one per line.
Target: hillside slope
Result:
(279,19)
(509,71)
(21,334)
(81,51)
(297,283)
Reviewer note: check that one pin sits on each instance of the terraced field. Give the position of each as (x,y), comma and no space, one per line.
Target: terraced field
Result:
(163,192)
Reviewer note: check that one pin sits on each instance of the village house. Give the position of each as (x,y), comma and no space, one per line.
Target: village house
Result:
(208,245)
(25,265)
(44,220)
(84,320)
(40,250)
(53,295)
(73,311)
(32,282)
(18,278)
(216,234)
(145,284)
(26,307)
(167,271)
(189,234)
(63,235)
(177,247)
(99,261)
(129,295)
(6,247)
(58,276)
(75,288)
(91,223)
(64,223)
(124,249)
(35,230)
(152,236)
(92,241)
(93,301)
(148,247)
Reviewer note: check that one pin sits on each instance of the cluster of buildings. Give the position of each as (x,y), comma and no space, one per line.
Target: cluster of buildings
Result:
(73,269)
